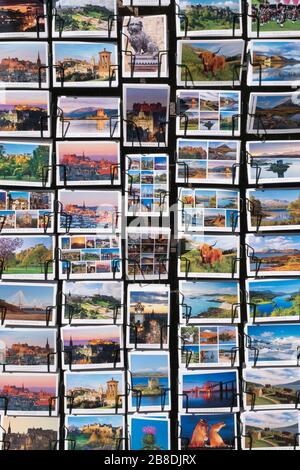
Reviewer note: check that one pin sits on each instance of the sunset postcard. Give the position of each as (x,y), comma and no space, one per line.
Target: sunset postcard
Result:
(21,18)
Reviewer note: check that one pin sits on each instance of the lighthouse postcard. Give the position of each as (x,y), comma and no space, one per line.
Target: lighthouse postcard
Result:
(85,64)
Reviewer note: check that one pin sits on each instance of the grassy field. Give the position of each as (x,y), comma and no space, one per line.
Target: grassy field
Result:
(274,26)
(196,266)
(29,270)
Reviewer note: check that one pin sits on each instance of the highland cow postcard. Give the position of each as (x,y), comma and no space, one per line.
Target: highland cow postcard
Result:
(24,114)
(274,113)
(27,211)
(148,433)
(207,431)
(208,390)
(94,432)
(273,162)
(270,18)
(85,163)
(23,19)
(146,115)
(270,430)
(147,185)
(27,257)
(275,254)
(271,388)
(148,316)
(88,116)
(207,161)
(144,46)
(209,210)
(93,302)
(24,349)
(273,345)
(30,433)
(85,64)
(208,346)
(149,375)
(28,303)
(94,392)
(209,302)
(92,347)
(273,300)
(209,63)
(90,256)
(29,394)
(84,18)
(24,64)
(208,256)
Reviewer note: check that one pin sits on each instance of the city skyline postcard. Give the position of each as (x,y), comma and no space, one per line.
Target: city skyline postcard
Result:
(84,64)
(103,392)
(275,345)
(147,433)
(21,18)
(85,163)
(209,63)
(88,117)
(29,394)
(93,302)
(146,3)
(25,349)
(24,64)
(209,302)
(274,22)
(27,304)
(208,18)
(92,347)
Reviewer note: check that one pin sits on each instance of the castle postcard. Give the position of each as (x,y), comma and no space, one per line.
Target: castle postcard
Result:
(23,19)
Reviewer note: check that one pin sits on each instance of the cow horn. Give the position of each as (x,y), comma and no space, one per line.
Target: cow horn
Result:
(217,52)
(213,245)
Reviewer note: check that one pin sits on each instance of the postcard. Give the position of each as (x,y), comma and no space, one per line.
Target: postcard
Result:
(85,163)
(146,115)
(85,256)
(208,390)
(150,381)
(274,113)
(94,392)
(207,161)
(208,18)
(23,19)
(271,388)
(88,116)
(89,211)
(28,349)
(275,19)
(270,430)
(202,112)
(93,302)
(24,114)
(272,300)
(208,346)
(276,345)
(147,185)
(147,253)
(148,316)
(207,431)
(85,64)
(208,256)
(85,18)
(28,304)
(92,347)
(24,64)
(275,254)
(209,210)
(27,211)
(147,433)
(29,394)
(27,257)
(30,433)
(144,46)
(209,63)
(146,3)
(209,302)
(94,432)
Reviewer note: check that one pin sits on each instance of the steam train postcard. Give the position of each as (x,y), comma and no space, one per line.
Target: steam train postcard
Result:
(274,162)
(209,63)
(269,18)
(23,19)
(149,432)
(209,302)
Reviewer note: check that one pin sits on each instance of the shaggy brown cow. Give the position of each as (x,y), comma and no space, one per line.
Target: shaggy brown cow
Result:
(212,62)
(216,440)
(209,254)
(200,435)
